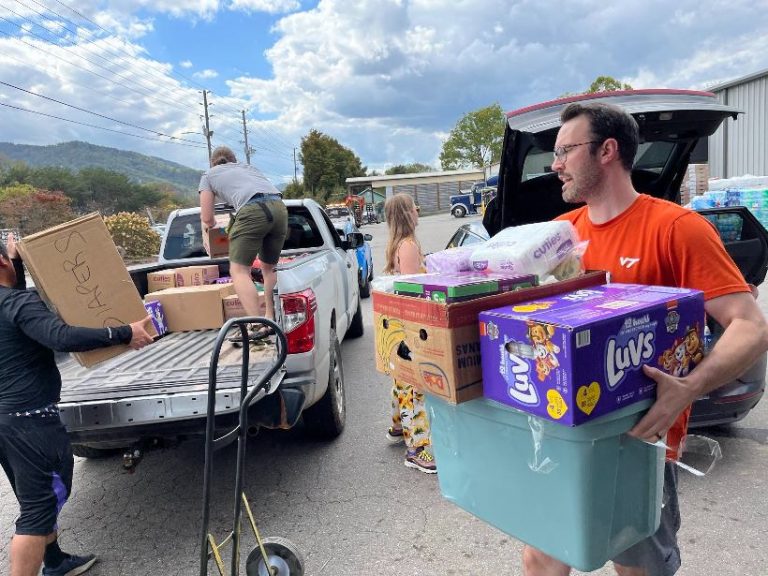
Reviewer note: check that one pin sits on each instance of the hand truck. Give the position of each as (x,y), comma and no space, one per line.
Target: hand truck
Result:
(271,556)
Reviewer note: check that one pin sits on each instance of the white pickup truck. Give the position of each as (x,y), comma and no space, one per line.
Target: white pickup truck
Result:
(160,392)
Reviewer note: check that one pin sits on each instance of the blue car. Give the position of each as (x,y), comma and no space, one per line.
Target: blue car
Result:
(364,256)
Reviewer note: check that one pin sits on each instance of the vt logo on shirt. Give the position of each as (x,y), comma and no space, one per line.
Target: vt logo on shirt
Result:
(628,263)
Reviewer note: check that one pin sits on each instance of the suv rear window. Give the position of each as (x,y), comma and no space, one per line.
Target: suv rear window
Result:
(650,157)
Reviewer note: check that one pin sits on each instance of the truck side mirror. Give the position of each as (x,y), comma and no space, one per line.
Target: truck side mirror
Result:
(353,240)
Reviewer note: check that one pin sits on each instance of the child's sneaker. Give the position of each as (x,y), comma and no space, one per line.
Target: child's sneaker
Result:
(395,435)
(421,459)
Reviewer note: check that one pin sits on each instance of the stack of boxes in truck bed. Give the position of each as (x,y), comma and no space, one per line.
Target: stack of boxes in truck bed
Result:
(544,456)
(194,297)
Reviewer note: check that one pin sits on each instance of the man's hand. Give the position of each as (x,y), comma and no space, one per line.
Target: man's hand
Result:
(140,336)
(673,395)
(10,246)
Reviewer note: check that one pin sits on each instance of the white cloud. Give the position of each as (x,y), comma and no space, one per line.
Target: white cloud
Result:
(269,6)
(205,74)
(387,78)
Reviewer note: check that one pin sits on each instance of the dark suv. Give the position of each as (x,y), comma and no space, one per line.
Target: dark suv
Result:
(671,123)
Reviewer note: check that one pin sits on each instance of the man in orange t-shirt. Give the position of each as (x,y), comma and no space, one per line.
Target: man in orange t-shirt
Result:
(644,240)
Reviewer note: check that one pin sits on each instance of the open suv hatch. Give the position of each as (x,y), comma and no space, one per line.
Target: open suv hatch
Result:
(671,123)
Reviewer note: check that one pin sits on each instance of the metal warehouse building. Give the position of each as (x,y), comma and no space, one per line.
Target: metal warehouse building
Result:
(739,147)
(430,190)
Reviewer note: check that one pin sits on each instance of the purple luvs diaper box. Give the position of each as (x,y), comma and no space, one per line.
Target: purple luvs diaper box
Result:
(576,356)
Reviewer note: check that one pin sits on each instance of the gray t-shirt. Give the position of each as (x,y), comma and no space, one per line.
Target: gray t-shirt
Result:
(236,183)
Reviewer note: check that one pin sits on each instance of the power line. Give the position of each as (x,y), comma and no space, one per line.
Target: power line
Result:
(171,141)
(113,53)
(58,57)
(94,113)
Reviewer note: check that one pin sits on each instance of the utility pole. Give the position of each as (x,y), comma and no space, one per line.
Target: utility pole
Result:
(206,127)
(294,164)
(245,135)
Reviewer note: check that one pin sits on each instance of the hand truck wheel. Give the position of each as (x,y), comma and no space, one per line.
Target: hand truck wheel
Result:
(283,556)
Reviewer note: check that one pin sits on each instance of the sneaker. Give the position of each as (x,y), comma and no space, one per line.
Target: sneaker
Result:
(395,435)
(72,566)
(421,460)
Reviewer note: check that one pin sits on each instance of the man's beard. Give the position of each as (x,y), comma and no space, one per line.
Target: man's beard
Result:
(586,186)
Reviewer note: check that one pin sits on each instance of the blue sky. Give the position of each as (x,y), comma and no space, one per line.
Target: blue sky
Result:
(386,78)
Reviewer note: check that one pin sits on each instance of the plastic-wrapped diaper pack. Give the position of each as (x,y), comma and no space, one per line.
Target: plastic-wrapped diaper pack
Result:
(451,260)
(529,249)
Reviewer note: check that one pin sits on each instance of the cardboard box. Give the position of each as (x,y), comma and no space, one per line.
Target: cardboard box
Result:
(196,275)
(443,340)
(161,280)
(78,271)
(193,307)
(155,309)
(459,287)
(233,308)
(573,357)
(216,239)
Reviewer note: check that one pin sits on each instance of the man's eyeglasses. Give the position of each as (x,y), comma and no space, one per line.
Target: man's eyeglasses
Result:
(561,152)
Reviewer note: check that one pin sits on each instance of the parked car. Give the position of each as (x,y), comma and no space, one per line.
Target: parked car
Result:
(364,256)
(671,123)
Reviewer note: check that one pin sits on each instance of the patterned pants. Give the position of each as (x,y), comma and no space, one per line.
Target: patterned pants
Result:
(409,412)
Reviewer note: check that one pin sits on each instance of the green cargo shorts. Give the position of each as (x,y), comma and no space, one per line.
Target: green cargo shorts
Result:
(254,234)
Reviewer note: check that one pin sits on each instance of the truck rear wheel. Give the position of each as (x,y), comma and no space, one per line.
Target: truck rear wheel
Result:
(459,211)
(326,419)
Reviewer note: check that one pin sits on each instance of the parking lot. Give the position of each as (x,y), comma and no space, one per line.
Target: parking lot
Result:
(355,510)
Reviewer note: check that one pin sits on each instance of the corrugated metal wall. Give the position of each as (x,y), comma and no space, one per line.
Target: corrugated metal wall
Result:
(741,147)
(434,197)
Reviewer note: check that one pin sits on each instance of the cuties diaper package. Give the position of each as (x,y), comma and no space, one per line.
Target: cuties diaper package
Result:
(576,356)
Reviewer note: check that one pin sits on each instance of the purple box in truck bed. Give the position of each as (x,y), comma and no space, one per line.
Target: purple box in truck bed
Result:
(574,357)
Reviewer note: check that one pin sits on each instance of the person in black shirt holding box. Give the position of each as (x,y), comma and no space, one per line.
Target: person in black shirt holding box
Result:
(35,452)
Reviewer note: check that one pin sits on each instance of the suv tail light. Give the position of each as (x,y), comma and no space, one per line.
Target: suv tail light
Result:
(299,320)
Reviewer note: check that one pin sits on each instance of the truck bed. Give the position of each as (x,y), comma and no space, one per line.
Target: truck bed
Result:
(167,381)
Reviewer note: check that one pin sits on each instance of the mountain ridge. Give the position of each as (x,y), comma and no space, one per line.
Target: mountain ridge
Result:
(76,155)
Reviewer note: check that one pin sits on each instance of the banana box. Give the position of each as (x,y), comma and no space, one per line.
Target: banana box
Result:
(573,357)
(435,346)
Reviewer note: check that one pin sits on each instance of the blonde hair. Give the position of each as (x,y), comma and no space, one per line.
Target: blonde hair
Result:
(401,220)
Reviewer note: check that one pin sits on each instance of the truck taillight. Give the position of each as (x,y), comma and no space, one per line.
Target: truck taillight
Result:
(299,320)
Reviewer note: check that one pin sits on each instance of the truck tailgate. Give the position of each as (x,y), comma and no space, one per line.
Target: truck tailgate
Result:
(166,381)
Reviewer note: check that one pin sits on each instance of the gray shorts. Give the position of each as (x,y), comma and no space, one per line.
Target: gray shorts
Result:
(659,554)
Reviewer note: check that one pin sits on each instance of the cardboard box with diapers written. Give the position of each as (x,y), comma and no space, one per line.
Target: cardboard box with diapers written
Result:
(78,271)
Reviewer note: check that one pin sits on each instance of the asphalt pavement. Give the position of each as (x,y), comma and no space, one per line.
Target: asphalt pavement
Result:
(354,509)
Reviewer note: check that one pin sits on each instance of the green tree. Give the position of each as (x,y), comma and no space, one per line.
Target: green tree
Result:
(15,191)
(476,139)
(606,84)
(327,164)
(294,190)
(412,168)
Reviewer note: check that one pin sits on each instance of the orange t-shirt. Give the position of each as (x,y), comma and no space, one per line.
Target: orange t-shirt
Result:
(656,242)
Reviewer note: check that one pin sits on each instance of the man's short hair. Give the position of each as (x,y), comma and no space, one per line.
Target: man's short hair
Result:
(4,250)
(607,121)
(222,155)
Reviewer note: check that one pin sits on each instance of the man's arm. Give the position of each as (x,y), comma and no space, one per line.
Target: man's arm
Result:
(33,317)
(207,216)
(745,338)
